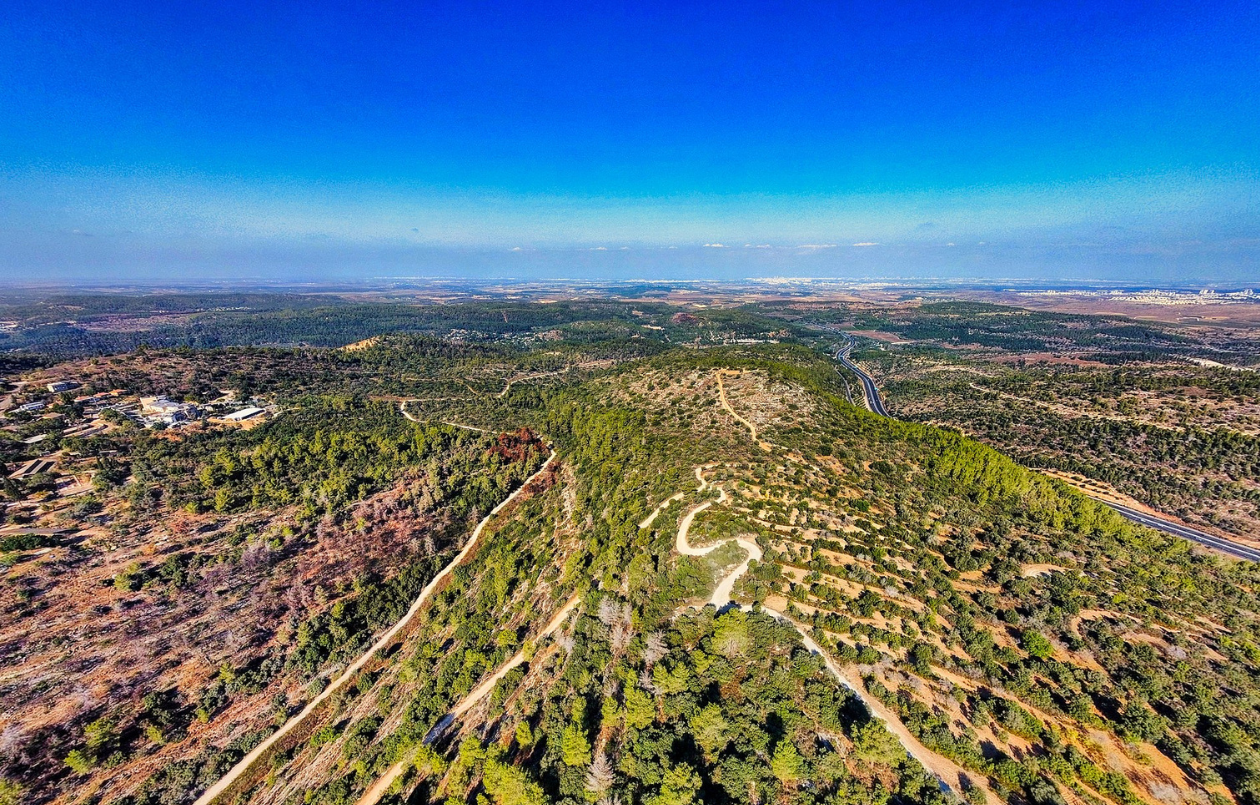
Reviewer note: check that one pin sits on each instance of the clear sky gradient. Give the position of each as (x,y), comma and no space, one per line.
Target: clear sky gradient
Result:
(319,140)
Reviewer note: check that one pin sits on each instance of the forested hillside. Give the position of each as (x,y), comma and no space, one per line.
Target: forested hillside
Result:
(914,616)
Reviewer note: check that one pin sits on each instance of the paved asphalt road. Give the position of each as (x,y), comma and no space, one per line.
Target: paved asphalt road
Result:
(869,390)
(1193,534)
(873,402)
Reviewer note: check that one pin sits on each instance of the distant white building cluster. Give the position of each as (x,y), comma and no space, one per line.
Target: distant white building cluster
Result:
(151,412)
(46,422)
(1156,296)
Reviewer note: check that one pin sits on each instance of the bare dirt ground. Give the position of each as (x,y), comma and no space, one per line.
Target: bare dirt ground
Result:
(1205,313)
(880,335)
(75,646)
(366,343)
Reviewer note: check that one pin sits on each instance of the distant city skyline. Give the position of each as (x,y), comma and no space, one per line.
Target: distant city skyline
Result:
(1090,142)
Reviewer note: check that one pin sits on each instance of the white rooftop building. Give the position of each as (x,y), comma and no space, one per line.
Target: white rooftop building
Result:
(245,413)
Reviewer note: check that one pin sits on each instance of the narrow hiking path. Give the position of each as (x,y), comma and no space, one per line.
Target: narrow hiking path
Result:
(402,409)
(259,751)
(727,405)
(485,687)
(382,784)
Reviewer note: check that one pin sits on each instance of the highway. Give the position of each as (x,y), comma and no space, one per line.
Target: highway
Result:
(870,393)
(1192,534)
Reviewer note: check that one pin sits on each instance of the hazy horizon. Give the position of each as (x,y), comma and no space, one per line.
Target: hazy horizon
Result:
(1089,143)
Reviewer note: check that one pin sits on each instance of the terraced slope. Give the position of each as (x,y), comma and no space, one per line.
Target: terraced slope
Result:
(1005,626)
(911,608)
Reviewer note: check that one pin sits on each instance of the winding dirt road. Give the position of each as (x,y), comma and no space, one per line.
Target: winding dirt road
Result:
(727,405)
(948,773)
(259,751)
(945,770)
(402,409)
(722,593)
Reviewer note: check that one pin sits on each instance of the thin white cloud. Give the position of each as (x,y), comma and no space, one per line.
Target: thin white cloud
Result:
(817,246)
(866,243)
(714,246)
(757,246)
(599,249)
(517,249)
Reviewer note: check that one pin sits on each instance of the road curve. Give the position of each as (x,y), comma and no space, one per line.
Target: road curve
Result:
(252,757)
(722,593)
(870,392)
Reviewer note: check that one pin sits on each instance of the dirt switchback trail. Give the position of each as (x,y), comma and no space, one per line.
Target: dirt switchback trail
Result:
(722,593)
(948,773)
(259,751)
(378,789)
(945,770)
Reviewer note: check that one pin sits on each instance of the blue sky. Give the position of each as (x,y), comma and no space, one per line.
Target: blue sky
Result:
(304,141)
